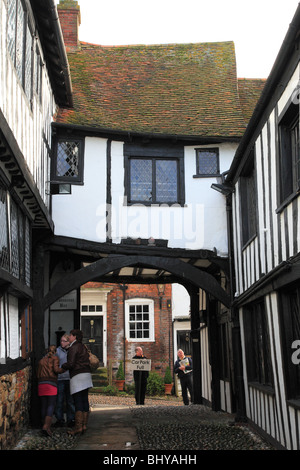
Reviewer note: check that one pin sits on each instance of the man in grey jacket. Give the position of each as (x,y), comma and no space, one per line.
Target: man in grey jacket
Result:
(63,388)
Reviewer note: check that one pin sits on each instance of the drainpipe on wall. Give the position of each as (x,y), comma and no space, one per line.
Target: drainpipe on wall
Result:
(123,288)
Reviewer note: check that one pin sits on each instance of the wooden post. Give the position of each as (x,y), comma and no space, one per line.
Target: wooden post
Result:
(196,346)
(38,316)
(212,308)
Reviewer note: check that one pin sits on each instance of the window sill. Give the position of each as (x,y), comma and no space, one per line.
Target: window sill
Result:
(294,403)
(215,175)
(287,201)
(140,340)
(263,388)
(154,204)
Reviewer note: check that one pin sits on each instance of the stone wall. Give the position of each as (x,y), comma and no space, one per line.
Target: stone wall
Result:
(14,406)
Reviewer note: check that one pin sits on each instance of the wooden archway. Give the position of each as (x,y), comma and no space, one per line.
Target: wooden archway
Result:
(180,269)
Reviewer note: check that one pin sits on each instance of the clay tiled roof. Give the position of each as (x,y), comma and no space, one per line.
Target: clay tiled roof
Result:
(249,90)
(177,89)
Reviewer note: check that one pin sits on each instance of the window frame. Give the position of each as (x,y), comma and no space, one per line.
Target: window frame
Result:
(22,63)
(19,256)
(248,202)
(288,336)
(215,150)
(288,162)
(56,179)
(154,201)
(134,302)
(258,352)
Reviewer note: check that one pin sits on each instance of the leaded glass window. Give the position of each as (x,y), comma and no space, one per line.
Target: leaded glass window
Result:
(14,222)
(290,323)
(257,344)
(4,247)
(28,63)
(289,154)
(20,41)
(27,252)
(19,44)
(68,164)
(153,180)
(248,203)
(207,161)
(11,29)
(38,75)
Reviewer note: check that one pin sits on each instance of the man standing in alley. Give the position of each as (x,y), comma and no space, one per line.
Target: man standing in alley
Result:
(183,368)
(140,378)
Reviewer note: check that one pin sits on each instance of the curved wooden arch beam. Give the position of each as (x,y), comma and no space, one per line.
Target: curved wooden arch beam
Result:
(101,267)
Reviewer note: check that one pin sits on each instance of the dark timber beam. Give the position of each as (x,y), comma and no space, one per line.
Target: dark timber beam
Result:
(196,345)
(183,271)
(214,353)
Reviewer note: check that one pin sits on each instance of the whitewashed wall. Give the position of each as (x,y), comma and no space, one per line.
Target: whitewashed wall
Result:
(28,124)
(200,224)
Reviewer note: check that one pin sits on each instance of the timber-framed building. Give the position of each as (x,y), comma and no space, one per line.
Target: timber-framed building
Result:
(109,157)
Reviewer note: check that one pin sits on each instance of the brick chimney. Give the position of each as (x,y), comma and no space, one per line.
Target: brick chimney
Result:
(69,17)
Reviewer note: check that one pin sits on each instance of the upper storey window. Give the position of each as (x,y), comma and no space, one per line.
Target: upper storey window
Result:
(20,44)
(154,174)
(207,162)
(289,155)
(153,180)
(67,164)
(248,201)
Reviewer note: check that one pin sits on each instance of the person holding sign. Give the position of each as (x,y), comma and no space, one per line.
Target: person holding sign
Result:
(183,368)
(140,378)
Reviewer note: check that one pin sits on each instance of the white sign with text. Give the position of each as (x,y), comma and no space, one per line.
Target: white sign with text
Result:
(141,364)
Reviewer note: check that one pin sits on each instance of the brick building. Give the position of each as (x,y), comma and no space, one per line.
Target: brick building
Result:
(116,318)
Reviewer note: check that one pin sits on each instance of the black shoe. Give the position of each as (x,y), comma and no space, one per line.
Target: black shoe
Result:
(71,424)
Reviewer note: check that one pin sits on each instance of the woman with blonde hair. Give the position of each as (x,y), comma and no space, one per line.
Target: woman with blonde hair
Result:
(47,372)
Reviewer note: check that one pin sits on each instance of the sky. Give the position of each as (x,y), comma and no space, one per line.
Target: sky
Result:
(257,27)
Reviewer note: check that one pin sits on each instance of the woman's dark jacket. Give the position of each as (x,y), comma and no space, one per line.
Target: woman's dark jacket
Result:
(77,359)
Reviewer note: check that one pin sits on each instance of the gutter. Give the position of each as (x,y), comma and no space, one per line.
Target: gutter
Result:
(129,135)
(47,9)
(62,50)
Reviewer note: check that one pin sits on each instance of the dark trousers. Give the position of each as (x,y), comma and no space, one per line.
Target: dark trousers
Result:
(140,391)
(47,405)
(81,400)
(63,393)
(186,385)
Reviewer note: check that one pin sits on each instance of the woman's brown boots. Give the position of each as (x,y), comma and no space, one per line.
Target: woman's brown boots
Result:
(85,420)
(78,427)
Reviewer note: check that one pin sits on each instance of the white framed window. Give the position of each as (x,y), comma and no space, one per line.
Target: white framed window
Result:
(139,320)
(91,309)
